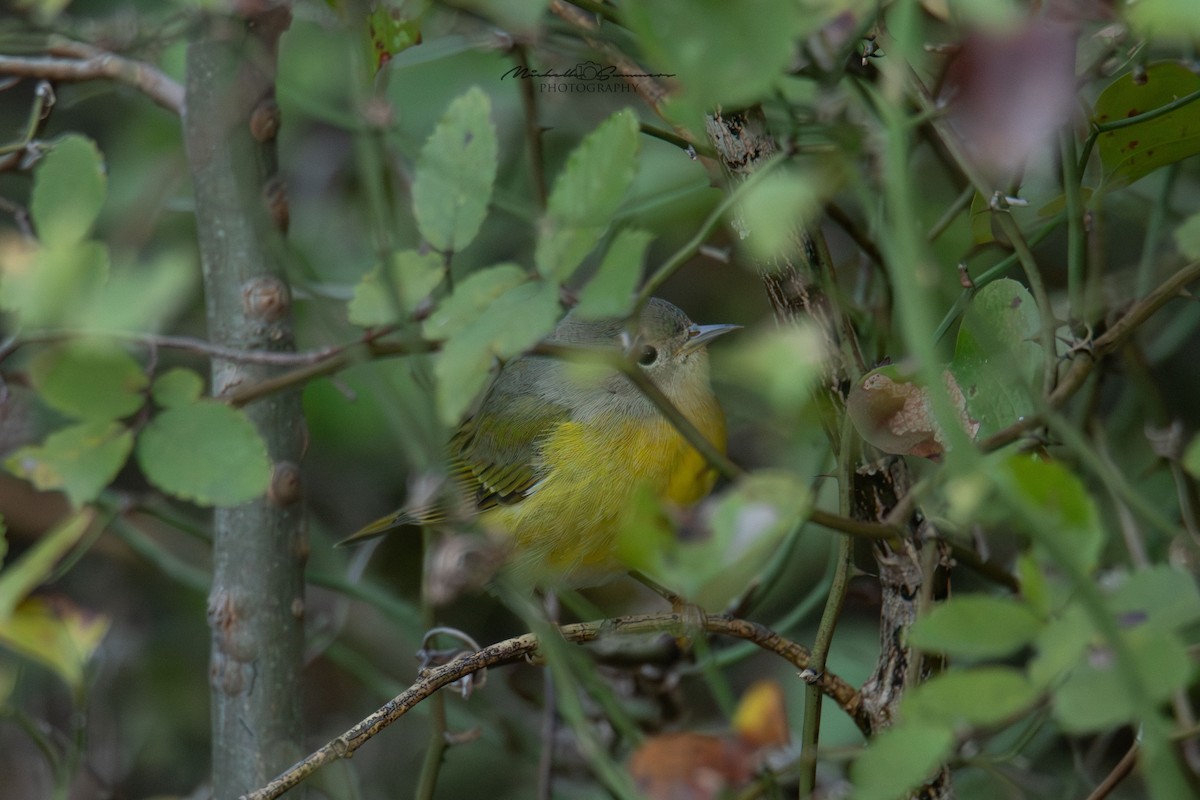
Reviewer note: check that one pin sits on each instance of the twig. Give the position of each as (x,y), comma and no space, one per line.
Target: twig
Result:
(1076,240)
(188,343)
(517,648)
(94,64)
(810,732)
(533,131)
(334,363)
(1104,344)
(855,527)
(1119,773)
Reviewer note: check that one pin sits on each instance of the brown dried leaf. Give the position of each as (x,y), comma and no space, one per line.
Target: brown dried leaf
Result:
(897,417)
(692,766)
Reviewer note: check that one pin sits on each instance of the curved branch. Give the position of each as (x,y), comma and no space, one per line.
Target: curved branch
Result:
(517,648)
(91,63)
(1104,344)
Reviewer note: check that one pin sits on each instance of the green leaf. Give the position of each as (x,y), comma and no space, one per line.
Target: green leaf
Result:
(1034,587)
(586,195)
(56,633)
(413,276)
(177,387)
(140,296)
(89,380)
(1096,695)
(1135,151)
(455,173)
(80,460)
(899,759)
(973,697)
(747,523)
(1059,501)
(34,566)
(1061,645)
(1159,596)
(997,359)
(470,297)
(390,32)
(775,209)
(207,453)
(53,284)
(1164,20)
(1191,458)
(686,39)
(754,362)
(1187,237)
(512,323)
(68,191)
(610,292)
(976,626)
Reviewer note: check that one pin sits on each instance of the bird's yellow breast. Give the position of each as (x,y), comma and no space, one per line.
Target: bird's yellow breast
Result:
(569,524)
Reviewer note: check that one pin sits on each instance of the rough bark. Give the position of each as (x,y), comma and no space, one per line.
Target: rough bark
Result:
(256,605)
(796,286)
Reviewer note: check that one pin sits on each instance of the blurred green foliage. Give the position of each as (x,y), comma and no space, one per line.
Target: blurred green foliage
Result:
(415,219)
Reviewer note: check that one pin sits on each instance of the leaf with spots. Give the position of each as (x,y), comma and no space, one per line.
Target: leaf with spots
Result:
(455,173)
(997,358)
(1134,151)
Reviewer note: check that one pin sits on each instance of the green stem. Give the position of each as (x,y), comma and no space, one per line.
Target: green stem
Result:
(1117,124)
(962,201)
(1076,241)
(431,766)
(992,273)
(811,731)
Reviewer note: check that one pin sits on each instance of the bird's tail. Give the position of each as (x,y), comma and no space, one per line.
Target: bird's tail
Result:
(397,519)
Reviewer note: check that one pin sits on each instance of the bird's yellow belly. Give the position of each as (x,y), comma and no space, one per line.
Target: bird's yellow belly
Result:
(567,529)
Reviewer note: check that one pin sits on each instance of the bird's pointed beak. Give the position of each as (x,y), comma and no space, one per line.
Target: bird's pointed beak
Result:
(701,335)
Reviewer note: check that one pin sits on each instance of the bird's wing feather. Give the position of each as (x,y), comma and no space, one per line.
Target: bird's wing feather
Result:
(494,455)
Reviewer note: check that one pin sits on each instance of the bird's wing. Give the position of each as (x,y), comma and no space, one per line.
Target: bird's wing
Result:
(494,455)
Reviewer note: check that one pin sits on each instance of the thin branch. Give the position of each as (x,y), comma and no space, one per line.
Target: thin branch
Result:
(95,64)
(533,131)
(334,363)
(848,453)
(188,343)
(521,647)
(855,527)
(1119,773)
(1104,344)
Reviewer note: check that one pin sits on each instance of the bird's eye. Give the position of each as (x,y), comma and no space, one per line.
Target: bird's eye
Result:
(648,356)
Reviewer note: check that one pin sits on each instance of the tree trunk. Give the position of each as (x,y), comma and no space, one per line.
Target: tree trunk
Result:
(256,605)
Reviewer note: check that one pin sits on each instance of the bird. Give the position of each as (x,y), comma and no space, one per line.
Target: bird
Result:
(557,452)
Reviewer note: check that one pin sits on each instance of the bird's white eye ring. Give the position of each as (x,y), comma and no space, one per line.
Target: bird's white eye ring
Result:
(648,356)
